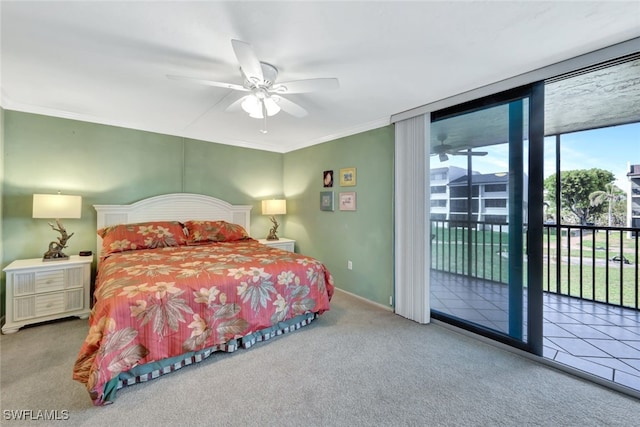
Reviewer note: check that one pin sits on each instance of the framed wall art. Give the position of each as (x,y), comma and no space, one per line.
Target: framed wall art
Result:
(326,201)
(327,179)
(347,177)
(347,201)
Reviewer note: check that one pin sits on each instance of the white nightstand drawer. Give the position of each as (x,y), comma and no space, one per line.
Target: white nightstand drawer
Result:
(49,304)
(38,306)
(48,281)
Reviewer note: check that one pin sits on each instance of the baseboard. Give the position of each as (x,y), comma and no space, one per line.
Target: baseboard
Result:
(382,306)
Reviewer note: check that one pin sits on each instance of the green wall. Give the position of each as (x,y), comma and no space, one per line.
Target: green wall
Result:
(365,236)
(112,165)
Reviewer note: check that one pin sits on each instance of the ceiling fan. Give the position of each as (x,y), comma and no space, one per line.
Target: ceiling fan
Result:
(444,150)
(265,96)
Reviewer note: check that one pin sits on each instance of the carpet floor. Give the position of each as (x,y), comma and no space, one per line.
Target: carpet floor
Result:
(356,365)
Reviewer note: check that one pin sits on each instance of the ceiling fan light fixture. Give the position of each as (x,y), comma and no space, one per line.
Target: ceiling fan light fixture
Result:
(443,157)
(253,105)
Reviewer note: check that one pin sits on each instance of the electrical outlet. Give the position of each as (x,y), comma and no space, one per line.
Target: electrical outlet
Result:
(349,265)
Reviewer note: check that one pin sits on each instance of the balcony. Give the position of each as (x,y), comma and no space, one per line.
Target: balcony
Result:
(590,284)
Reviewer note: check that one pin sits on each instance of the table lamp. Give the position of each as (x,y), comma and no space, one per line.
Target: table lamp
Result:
(57,206)
(274,207)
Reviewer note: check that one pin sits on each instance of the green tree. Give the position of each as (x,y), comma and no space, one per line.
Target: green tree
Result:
(610,195)
(576,186)
(619,213)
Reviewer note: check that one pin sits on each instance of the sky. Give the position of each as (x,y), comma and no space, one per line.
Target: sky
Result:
(612,148)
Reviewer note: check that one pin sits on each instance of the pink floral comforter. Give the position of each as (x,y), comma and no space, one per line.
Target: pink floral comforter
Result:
(153,304)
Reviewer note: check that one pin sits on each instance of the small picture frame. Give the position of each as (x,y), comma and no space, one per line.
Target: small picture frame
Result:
(347,201)
(347,177)
(326,201)
(327,179)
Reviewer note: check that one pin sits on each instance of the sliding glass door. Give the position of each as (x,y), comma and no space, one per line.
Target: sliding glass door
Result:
(484,198)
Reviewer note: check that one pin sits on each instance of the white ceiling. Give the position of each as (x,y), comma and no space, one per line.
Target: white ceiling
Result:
(107,62)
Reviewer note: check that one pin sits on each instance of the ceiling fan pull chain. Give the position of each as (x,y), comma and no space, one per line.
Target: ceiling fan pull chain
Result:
(264,116)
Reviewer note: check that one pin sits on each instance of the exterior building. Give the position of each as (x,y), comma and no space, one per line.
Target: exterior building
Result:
(633,198)
(440,178)
(489,196)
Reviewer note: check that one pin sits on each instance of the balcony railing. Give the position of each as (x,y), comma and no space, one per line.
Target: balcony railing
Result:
(594,263)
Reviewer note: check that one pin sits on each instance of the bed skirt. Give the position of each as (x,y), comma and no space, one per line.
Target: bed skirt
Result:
(149,371)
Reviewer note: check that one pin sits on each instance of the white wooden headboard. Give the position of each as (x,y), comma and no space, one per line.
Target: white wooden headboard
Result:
(173,207)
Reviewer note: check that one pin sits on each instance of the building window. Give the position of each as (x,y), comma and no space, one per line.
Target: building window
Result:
(442,203)
(495,188)
(462,191)
(495,203)
(438,189)
(462,206)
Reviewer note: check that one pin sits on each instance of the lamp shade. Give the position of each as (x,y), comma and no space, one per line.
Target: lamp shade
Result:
(274,207)
(56,206)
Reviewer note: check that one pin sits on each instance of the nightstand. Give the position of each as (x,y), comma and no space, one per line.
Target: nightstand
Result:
(283,243)
(38,291)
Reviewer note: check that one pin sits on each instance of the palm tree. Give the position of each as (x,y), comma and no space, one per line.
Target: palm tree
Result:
(610,195)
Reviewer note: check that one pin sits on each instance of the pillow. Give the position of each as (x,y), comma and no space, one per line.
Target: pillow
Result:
(142,235)
(201,232)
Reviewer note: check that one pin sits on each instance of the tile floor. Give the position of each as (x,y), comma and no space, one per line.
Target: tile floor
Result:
(597,338)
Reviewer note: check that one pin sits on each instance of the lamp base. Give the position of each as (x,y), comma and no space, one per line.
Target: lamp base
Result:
(55,248)
(58,257)
(272,232)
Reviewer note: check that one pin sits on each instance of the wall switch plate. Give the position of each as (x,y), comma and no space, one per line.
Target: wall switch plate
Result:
(349,265)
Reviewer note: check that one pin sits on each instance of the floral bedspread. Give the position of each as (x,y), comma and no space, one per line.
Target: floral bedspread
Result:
(153,304)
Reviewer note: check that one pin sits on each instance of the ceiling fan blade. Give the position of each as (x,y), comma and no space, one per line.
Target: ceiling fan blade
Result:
(305,86)
(465,153)
(210,83)
(441,148)
(290,107)
(248,61)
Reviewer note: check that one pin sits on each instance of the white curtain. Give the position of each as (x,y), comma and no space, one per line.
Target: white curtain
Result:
(412,226)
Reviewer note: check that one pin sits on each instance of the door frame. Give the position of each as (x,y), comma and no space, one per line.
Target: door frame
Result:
(534,232)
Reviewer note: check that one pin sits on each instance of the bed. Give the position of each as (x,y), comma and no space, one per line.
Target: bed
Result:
(179,279)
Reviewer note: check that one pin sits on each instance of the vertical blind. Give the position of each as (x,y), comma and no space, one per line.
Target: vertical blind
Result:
(411,219)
